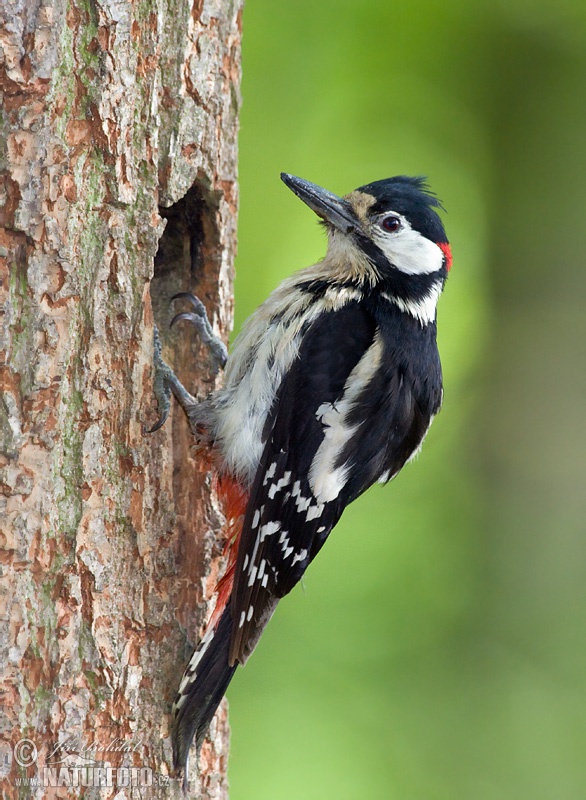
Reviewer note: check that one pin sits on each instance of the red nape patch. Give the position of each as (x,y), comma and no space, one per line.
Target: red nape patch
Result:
(447,251)
(234,498)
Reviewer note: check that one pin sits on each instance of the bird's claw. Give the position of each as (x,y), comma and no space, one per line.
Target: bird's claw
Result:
(163,381)
(166,383)
(199,318)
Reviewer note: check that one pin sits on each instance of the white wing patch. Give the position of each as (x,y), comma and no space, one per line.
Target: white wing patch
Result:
(325,479)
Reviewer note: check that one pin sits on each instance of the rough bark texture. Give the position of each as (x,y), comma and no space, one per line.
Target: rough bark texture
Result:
(119,122)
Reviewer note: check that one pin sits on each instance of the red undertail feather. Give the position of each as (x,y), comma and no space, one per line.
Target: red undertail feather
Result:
(233,497)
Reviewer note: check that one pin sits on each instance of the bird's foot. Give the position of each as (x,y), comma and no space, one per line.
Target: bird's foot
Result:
(198,317)
(166,383)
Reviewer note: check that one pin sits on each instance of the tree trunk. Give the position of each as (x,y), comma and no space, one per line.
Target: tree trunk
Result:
(119,189)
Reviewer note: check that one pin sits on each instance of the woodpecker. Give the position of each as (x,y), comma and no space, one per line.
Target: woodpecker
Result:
(330,387)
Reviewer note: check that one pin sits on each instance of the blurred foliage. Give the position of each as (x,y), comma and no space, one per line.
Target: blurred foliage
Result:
(437,647)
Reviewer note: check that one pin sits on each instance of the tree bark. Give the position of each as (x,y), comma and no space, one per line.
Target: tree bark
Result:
(119,189)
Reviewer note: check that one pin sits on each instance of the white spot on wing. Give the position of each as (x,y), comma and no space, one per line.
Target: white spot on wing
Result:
(268,529)
(255,549)
(280,484)
(302,503)
(299,556)
(314,512)
(270,473)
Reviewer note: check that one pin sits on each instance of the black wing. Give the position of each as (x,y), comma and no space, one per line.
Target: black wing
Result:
(343,417)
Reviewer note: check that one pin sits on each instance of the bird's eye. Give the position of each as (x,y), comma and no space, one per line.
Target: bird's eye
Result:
(391,224)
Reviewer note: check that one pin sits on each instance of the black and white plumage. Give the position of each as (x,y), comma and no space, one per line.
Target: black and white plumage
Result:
(330,387)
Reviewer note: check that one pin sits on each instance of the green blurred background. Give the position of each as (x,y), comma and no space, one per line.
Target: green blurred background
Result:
(437,648)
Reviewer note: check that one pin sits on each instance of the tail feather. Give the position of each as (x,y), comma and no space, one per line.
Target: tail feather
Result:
(208,673)
(202,687)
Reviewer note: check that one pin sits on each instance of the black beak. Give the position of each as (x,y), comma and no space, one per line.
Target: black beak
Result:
(326,205)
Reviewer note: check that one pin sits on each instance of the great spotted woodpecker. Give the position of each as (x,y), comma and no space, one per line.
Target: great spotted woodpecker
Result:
(330,387)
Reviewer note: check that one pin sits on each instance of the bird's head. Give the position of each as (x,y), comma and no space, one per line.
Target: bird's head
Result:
(382,229)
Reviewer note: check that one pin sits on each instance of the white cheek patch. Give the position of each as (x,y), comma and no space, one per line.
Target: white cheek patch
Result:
(408,250)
